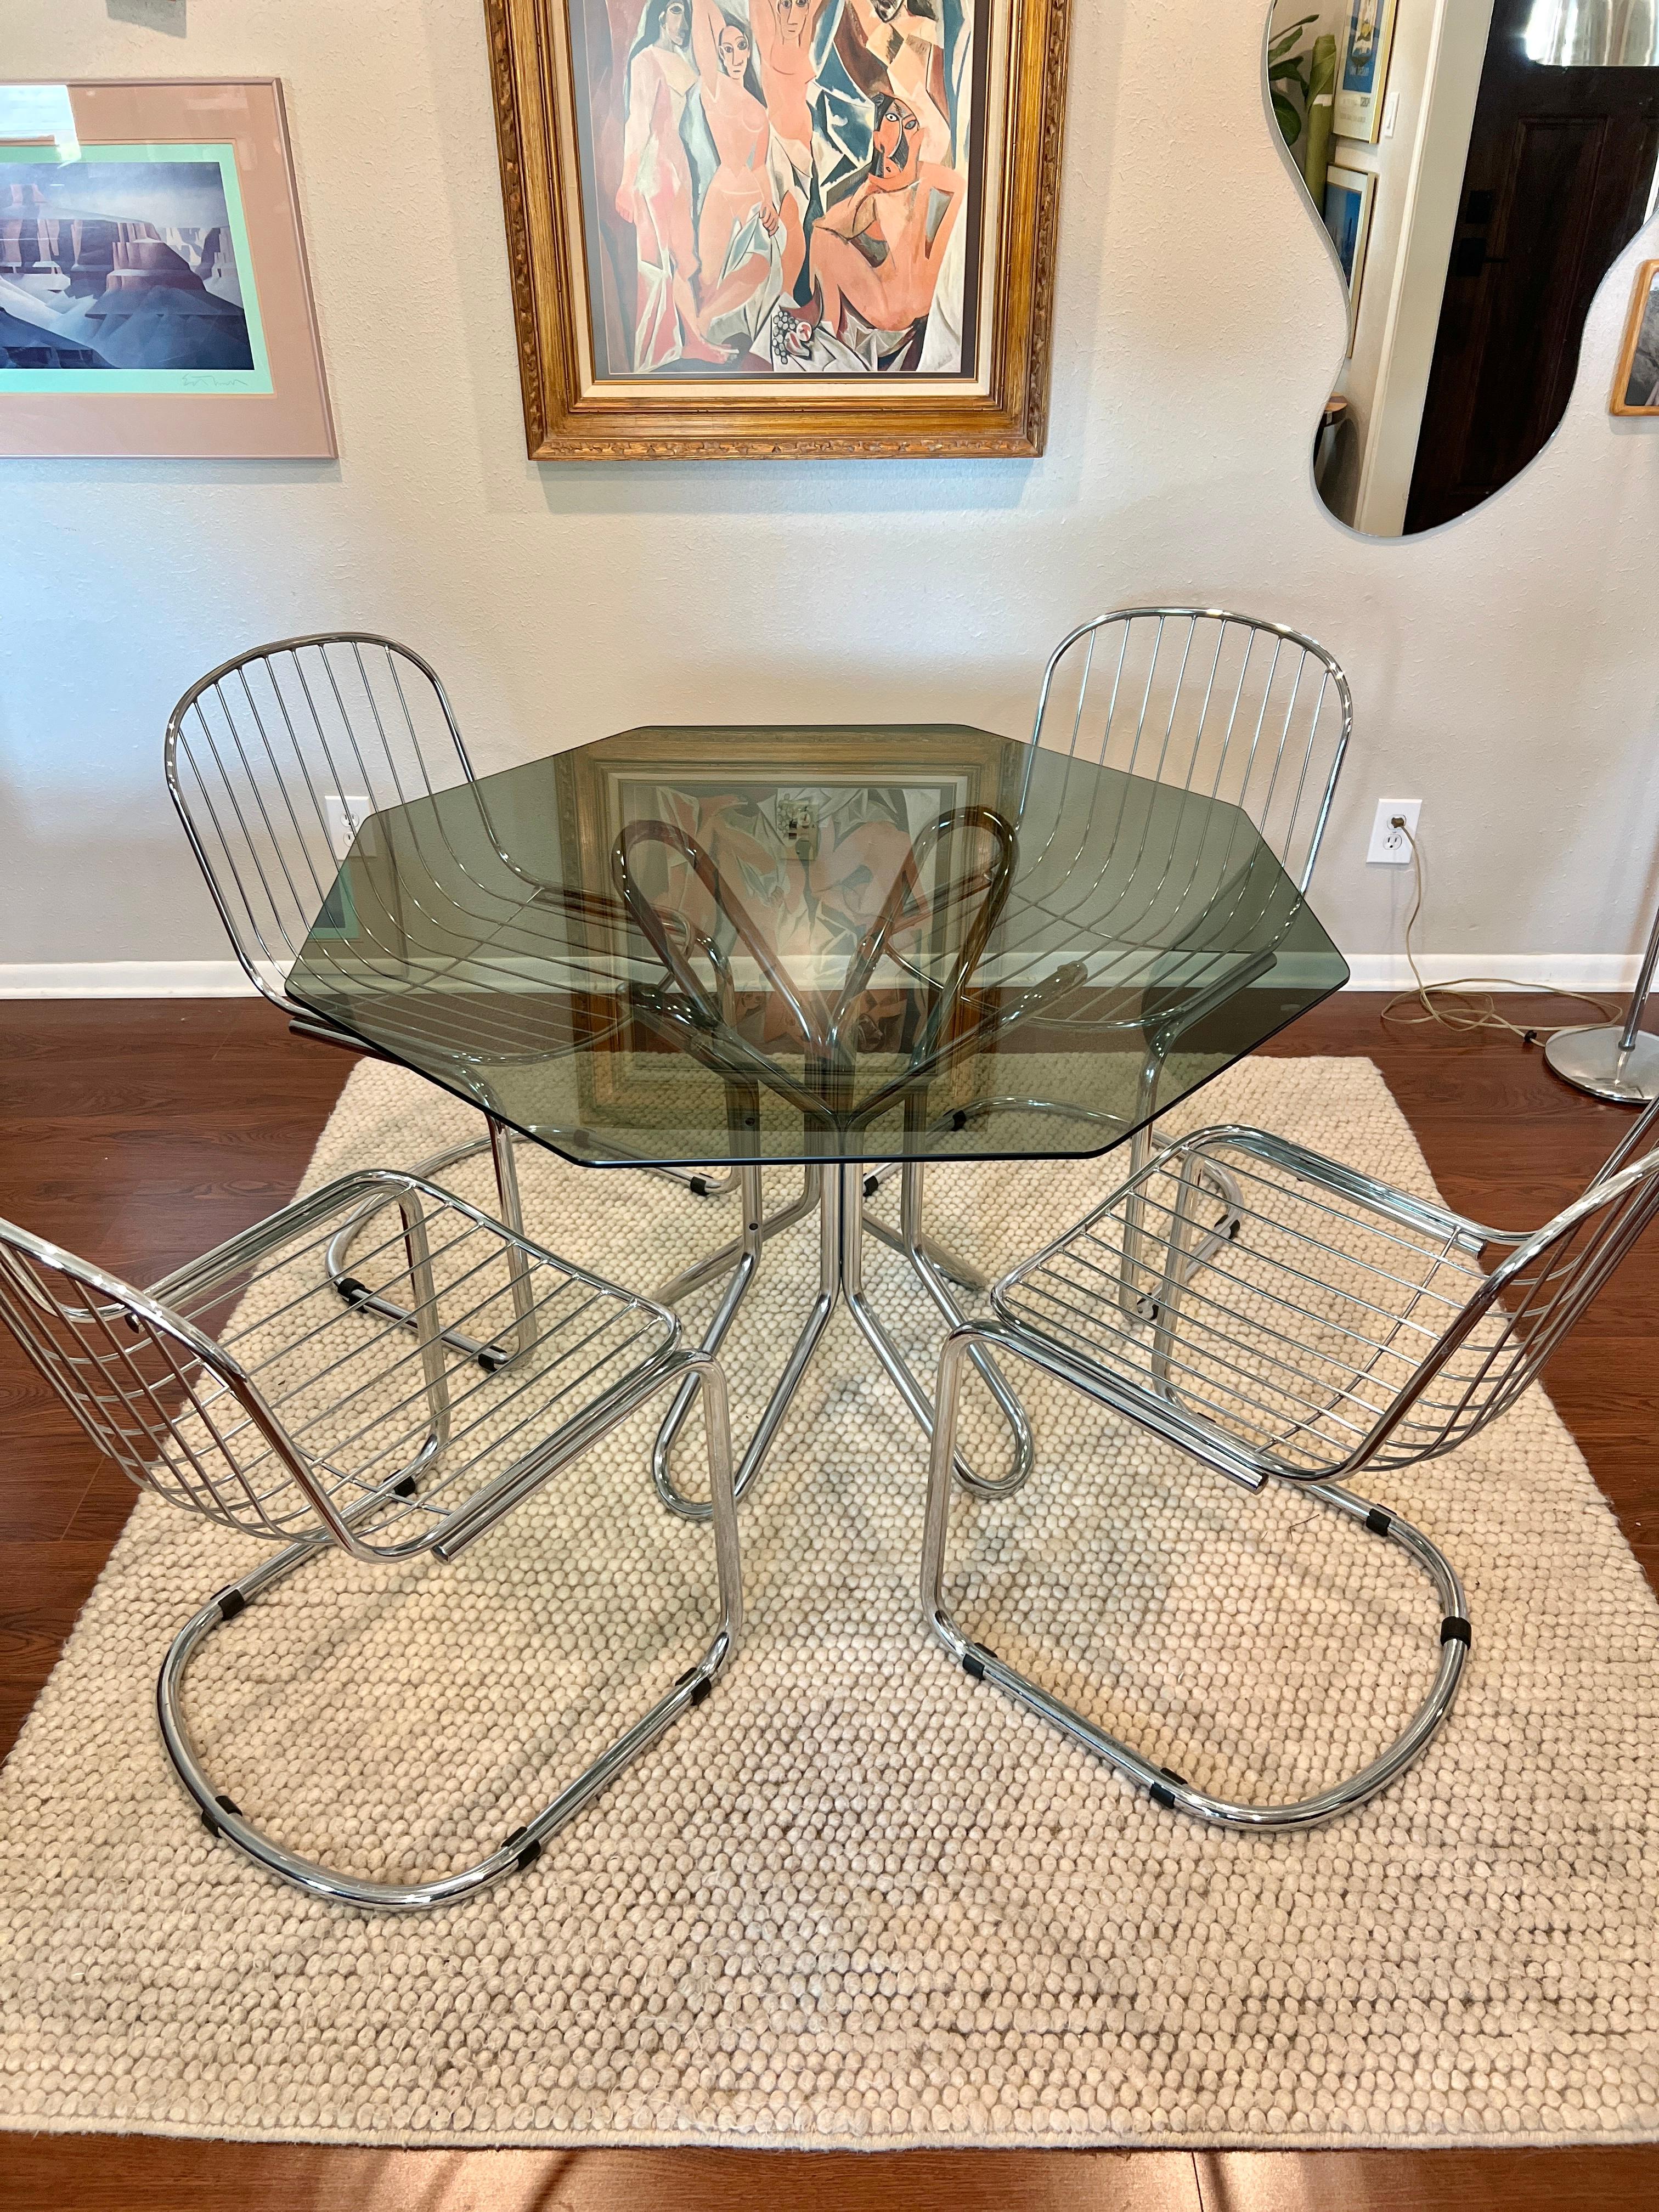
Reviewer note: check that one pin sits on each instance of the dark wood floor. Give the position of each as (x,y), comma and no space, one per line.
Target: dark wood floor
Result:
(138,1134)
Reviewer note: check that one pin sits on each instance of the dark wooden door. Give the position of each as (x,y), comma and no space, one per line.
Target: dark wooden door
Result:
(1560,167)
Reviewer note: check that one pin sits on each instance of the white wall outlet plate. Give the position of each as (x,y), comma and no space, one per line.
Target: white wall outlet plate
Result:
(1390,847)
(344,812)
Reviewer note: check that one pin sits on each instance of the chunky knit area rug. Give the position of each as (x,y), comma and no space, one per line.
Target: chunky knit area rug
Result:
(854,1900)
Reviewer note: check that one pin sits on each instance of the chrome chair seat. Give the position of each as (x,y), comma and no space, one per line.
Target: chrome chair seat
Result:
(239,1388)
(1310,1324)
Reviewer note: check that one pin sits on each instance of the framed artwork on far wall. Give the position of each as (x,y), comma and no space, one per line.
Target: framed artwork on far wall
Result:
(1349,194)
(154,294)
(1636,385)
(1362,79)
(769,228)
(743,809)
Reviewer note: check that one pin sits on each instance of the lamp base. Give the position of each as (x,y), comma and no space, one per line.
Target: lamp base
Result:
(1591,1059)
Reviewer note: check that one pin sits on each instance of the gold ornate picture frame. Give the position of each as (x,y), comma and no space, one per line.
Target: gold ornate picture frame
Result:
(752,228)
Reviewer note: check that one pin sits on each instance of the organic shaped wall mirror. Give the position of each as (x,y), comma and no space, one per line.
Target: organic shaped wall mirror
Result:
(1479,164)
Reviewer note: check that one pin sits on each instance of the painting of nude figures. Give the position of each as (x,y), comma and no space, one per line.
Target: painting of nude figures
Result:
(768,208)
(781,187)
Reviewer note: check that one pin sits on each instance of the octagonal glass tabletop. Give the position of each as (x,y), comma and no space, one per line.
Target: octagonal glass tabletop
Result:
(710,946)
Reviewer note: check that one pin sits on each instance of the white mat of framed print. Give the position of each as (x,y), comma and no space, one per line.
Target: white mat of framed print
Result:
(153,295)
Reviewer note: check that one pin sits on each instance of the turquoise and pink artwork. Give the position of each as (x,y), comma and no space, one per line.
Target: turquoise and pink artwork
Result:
(126,269)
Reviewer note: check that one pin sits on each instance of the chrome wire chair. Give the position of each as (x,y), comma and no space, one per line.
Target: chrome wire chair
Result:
(1226,708)
(240,1388)
(274,761)
(1344,1325)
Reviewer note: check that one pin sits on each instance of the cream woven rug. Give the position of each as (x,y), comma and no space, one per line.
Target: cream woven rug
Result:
(854,1900)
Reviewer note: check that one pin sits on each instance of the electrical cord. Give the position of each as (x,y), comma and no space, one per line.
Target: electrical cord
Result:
(1469,1005)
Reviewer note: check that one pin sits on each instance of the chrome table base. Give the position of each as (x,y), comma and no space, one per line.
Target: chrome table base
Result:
(837,1193)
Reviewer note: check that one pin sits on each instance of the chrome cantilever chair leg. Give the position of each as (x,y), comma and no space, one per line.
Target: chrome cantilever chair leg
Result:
(755,1231)
(1166,1788)
(221,1816)
(933,1279)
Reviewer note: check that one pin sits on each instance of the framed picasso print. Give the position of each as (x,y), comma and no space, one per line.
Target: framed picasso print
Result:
(781,226)
(812,851)
(153,295)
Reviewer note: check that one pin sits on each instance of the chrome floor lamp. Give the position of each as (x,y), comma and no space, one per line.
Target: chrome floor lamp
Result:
(1618,1061)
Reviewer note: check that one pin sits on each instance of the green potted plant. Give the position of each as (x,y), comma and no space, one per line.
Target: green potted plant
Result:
(1302,83)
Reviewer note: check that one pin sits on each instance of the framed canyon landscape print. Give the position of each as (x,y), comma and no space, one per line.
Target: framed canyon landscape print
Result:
(154,298)
(750,227)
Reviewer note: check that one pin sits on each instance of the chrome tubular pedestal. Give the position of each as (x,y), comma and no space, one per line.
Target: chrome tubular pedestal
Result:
(837,1191)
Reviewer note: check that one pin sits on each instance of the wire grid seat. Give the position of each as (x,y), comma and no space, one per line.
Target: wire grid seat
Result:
(1322,1323)
(241,1389)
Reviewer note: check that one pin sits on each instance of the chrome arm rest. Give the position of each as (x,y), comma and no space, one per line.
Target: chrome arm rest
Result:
(1469,1235)
(197,1277)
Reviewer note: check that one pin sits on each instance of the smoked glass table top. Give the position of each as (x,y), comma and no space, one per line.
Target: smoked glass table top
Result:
(711,945)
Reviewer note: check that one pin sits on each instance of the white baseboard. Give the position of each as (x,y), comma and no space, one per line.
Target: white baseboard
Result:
(1611,972)
(125,979)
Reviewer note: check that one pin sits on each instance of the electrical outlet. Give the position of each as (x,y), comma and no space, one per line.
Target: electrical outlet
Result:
(345,815)
(796,819)
(1390,847)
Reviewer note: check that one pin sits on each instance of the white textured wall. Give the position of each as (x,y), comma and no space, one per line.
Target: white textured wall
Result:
(1506,670)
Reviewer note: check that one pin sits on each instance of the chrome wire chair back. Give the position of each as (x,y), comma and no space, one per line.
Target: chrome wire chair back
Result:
(1247,717)
(276,761)
(239,1389)
(1323,1323)
(277,758)
(1224,706)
